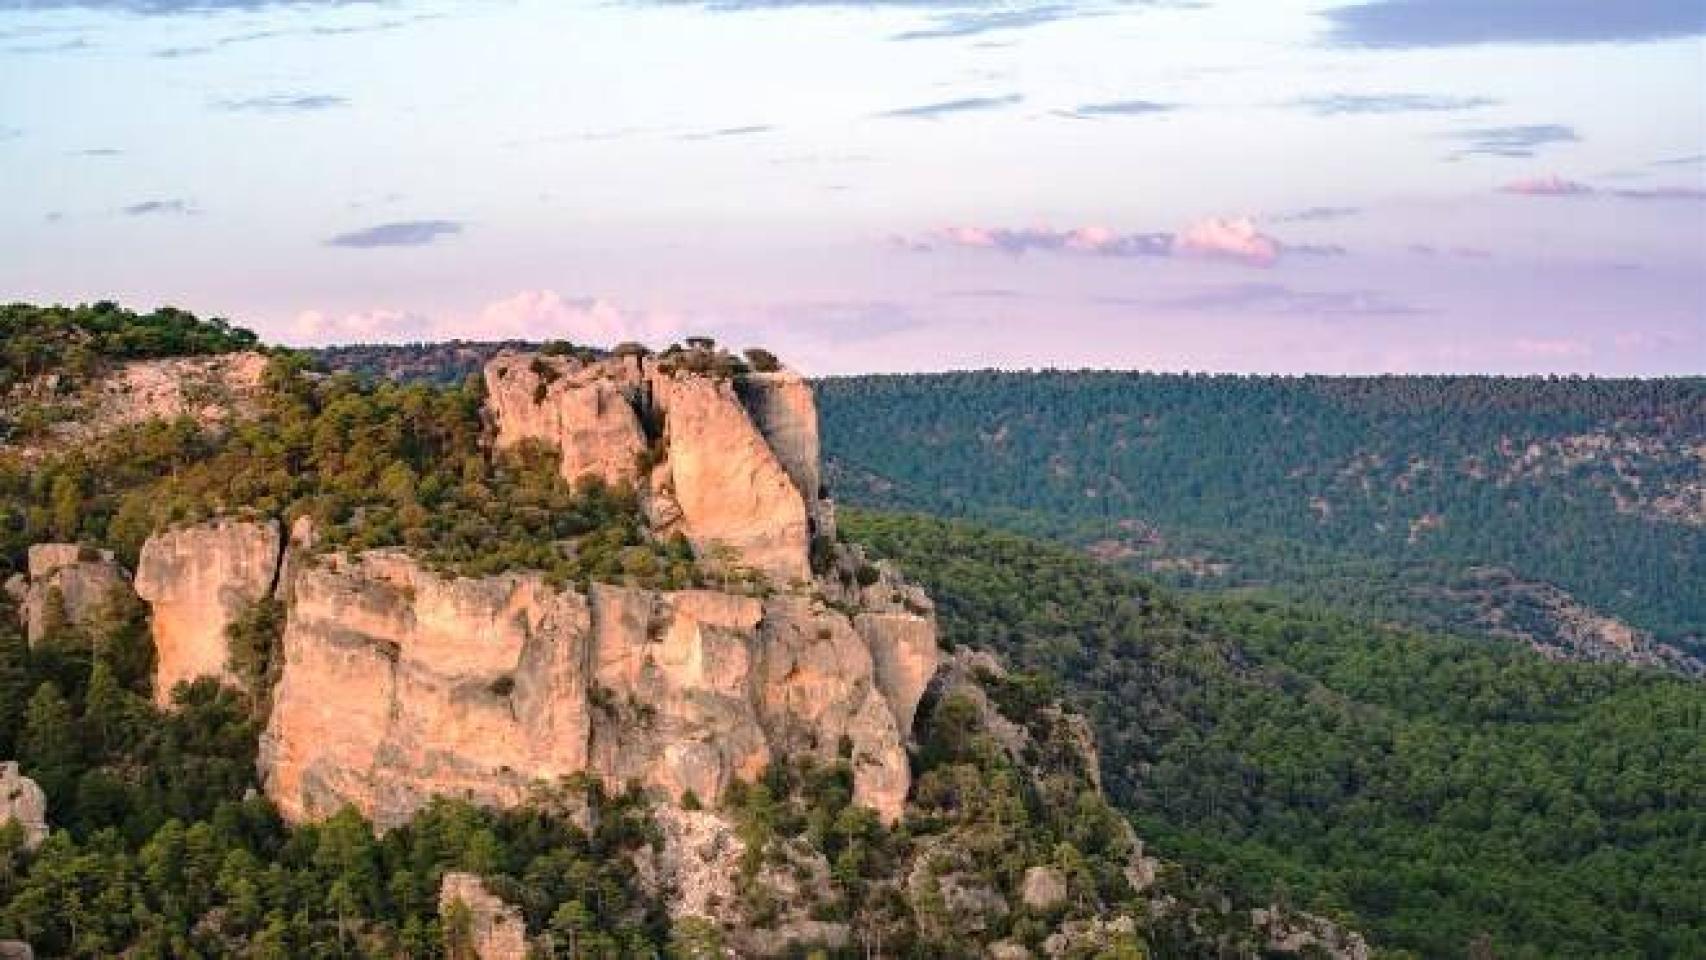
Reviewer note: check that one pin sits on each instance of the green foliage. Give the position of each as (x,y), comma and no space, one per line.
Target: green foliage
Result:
(1310,484)
(1438,789)
(374,465)
(163,848)
(78,342)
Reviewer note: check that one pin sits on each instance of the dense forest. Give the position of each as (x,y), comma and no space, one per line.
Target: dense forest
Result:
(1385,493)
(163,846)
(1441,791)
(79,342)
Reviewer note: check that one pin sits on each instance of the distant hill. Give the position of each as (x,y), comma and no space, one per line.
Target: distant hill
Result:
(1438,790)
(1566,513)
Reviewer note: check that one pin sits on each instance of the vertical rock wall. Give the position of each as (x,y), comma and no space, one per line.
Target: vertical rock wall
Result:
(198,580)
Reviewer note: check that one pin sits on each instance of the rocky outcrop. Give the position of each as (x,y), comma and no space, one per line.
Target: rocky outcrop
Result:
(23,802)
(785,411)
(476,923)
(198,580)
(588,413)
(1306,935)
(400,684)
(731,464)
(65,582)
(211,390)
(732,491)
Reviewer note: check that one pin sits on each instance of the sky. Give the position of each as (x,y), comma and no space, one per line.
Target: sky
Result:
(1285,186)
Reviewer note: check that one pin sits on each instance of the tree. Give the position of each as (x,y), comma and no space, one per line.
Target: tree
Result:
(48,746)
(14,681)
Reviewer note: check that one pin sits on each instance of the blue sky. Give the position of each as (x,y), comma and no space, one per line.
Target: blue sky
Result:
(1258,185)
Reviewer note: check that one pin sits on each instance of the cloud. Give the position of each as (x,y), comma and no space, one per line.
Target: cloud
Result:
(934,111)
(166,7)
(1548,186)
(1556,186)
(315,327)
(972,22)
(1690,194)
(285,103)
(1117,108)
(1341,104)
(1693,160)
(1315,214)
(1441,23)
(149,208)
(1237,240)
(9,133)
(527,315)
(1514,141)
(407,233)
(1465,253)
(1233,240)
(98,152)
(1278,299)
(58,46)
(547,315)
(746,131)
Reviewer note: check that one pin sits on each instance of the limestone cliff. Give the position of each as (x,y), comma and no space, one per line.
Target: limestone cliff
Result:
(23,802)
(731,463)
(78,581)
(400,684)
(198,580)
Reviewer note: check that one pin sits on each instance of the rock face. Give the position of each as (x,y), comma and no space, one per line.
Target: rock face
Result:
(400,684)
(588,413)
(78,581)
(732,464)
(198,579)
(478,924)
(23,803)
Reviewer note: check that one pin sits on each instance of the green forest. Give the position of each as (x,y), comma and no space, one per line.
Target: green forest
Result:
(1446,795)
(1437,790)
(1379,493)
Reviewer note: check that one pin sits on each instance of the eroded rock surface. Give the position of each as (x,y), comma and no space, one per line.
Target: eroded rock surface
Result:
(198,580)
(23,802)
(476,920)
(400,684)
(731,465)
(65,580)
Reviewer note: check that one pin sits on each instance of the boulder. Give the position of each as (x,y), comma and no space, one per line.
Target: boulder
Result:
(78,580)
(478,924)
(23,802)
(198,580)
(1044,889)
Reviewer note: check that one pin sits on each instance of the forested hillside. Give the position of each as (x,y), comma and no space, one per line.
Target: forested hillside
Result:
(1446,792)
(1456,502)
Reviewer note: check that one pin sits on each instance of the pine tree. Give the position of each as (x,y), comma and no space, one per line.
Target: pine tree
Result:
(49,747)
(14,682)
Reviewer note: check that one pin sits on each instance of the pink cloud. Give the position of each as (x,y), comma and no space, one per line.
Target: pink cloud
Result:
(546,314)
(528,315)
(1547,186)
(1236,240)
(317,327)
